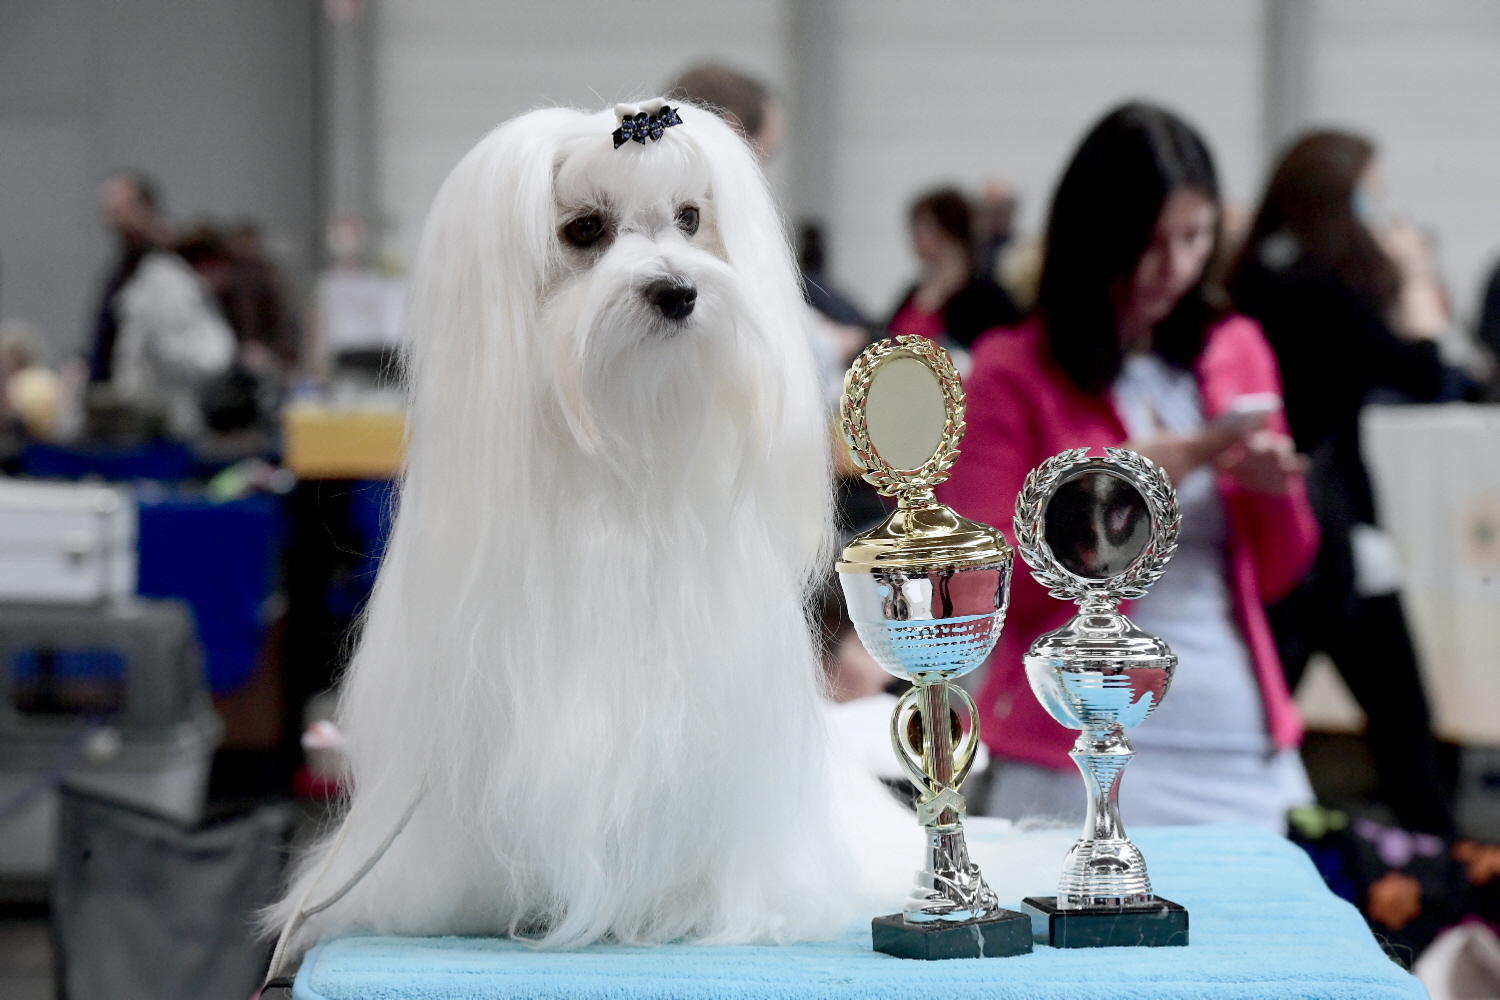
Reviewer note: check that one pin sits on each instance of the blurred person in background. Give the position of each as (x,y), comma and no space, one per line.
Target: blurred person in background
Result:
(257,305)
(31,394)
(839,329)
(1489,330)
(1345,316)
(247,290)
(1129,346)
(830,301)
(158,338)
(951,301)
(739,98)
(994,224)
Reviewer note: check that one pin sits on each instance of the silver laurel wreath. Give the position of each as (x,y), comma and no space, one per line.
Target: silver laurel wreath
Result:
(1144,570)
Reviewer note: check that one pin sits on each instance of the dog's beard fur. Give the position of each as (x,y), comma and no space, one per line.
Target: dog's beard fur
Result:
(588,638)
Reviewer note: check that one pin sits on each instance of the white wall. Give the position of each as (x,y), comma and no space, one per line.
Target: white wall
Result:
(962,90)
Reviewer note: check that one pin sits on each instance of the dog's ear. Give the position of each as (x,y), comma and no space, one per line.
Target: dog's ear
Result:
(488,240)
(484,256)
(780,371)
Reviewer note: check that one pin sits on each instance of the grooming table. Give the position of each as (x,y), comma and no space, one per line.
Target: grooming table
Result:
(1262,926)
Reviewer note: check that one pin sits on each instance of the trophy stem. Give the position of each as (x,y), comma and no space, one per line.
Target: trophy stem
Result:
(1102,759)
(1104,869)
(937,747)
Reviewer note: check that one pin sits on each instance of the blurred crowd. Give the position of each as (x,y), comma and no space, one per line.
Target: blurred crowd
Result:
(197,336)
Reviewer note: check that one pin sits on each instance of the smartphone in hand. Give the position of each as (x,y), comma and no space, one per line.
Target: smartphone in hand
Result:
(1246,414)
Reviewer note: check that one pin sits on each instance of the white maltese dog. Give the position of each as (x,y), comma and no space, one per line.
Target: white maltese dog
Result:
(585,703)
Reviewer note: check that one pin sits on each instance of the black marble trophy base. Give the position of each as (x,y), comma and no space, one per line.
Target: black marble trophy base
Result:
(1156,925)
(1000,935)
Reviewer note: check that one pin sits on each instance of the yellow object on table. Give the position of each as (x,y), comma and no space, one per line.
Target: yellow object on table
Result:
(327,443)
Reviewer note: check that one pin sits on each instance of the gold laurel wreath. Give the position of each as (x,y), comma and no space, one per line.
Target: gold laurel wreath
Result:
(879,473)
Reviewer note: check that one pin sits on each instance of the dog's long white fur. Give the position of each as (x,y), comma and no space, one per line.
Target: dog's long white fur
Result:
(588,638)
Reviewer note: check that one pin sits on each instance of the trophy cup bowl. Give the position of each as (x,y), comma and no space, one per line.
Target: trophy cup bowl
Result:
(1097,531)
(927,592)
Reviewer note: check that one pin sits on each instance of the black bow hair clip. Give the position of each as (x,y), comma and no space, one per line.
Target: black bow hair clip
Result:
(640,125)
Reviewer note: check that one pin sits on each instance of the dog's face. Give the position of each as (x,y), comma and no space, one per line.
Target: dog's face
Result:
(640,299)
(635,229)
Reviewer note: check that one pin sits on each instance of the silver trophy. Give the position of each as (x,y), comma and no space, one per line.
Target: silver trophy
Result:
(1098,531)
(927,592)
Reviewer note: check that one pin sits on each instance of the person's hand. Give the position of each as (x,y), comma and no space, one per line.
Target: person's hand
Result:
(1394,899)
(1481,860)
(850,340)
(1179,454)
(1408,248)
(1422,309)
(258,358)
(1265,462)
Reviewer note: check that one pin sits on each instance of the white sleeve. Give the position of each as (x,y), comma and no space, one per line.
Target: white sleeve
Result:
(184,333)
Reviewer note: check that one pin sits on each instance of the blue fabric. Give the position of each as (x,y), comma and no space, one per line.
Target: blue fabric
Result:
(372,514)
(221,558)
(1262,926)
(167,461)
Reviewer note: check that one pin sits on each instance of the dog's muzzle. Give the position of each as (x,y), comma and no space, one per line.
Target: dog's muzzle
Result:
(673,297)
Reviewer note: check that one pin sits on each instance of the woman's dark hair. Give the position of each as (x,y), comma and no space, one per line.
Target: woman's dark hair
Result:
(1310,199)
(1102,218)
(950,210)
(202,244)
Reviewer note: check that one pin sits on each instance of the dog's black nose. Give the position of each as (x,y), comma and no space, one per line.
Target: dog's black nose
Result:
(674,297)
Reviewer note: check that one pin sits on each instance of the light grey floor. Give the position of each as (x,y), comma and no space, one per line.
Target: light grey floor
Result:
(25,958)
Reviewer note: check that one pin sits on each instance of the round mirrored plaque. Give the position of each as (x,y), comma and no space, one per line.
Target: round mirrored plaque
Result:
(1097,526)
(903,414)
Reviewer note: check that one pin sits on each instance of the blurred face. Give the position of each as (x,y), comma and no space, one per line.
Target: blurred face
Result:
(930,242)
(1173,261)
(125,211)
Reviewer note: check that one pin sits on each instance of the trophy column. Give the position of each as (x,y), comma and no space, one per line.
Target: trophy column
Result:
(1099,530)
(927,592)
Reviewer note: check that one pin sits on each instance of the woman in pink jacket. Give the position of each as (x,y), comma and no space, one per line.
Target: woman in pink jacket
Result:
(1128,346)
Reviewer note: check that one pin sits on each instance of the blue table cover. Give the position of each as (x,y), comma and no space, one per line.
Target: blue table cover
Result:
(1262,925)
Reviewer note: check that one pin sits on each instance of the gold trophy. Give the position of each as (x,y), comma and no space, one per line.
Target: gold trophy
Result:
(927,592)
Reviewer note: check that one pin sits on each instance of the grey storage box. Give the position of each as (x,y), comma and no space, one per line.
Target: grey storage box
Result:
(134,663)
(110,700)
(66,543)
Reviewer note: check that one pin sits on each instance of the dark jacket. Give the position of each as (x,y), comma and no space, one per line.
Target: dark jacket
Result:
(1489,318)
(1333,346)
(976,307)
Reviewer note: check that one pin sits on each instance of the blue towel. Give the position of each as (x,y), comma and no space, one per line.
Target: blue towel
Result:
(1262,925)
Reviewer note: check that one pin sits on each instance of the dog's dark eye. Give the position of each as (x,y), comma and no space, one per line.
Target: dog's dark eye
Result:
(687,219)
(585,230)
